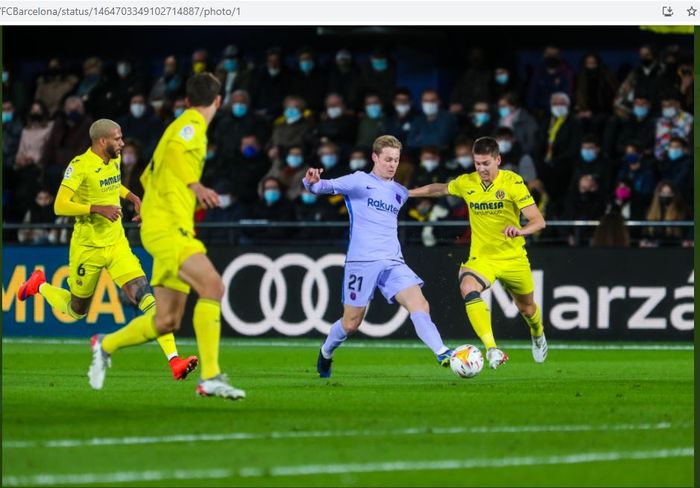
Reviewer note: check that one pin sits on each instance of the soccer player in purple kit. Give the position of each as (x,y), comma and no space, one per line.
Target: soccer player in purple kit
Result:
(374,258)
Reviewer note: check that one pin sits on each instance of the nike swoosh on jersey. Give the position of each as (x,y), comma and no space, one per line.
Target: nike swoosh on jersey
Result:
(371,188)
(98,170)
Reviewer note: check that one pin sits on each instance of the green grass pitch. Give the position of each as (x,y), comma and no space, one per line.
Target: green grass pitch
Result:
(389,416)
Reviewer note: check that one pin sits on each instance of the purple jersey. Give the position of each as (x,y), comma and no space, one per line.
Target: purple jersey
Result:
(373,205)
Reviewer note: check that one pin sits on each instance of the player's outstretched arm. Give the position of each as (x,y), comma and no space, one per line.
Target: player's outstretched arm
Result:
(535,223)
(432,190)
(312,181)
(64,206)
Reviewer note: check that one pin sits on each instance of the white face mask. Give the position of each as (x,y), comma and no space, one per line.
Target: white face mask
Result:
(465,161)
(430,164)
(224,201)
(402,109)
(357,164)
(505,146)
(669,112)
(560,110)
(138,109)
(334,112)
(123,69)
(430,108)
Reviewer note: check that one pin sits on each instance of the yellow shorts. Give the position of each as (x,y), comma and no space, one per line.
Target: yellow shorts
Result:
(515,273)
(87,262)
(170,248)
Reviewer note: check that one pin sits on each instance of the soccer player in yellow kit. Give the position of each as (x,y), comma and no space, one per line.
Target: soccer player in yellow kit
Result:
(90,192)
(171,193)
(496,198)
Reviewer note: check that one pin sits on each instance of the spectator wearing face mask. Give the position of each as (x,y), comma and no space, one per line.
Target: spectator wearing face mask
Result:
(289,170)
(271,85)
(473,84)
(34,136)
(11,133)
(587,203)
(309,80)
(337,124)
(431,169)
(592,161)
(666,205)
(233,73)
(329,159)
(14,89)
(70,136)
(199,62)
(372,123)
(315,208)
(677,167)
(559,149)
(401,120)
(644,78)
(550,77)
(420,212)
(142,125)
(462,162)
(246,170)
(169,85)
(40,212)
(434,126)
(272,205)
(358,160)
(674,122)
(512,156)
(344,79)
(480,121)
(504,82)
(234,121)
(595,90)
(378,77)
(95,89)
(128,82)
(292,128)
(637,128)
(637,169)
(53,86)
(519,120)
(179,107)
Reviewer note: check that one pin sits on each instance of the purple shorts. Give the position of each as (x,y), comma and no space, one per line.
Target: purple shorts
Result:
(362,278)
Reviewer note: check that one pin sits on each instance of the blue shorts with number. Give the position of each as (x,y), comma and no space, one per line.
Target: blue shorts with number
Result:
(363,277)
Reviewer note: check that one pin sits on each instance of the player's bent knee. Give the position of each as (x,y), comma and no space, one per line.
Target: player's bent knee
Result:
(528,309)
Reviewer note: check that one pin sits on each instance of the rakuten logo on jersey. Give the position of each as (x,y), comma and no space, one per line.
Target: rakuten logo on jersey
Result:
(382,206)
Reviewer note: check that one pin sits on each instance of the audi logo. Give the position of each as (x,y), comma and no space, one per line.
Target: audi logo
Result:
(314,312)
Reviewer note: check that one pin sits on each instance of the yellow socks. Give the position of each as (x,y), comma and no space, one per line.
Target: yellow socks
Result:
(207,327)
(535,322)
(59,299)
(139,330)
(147,305)
(480,318)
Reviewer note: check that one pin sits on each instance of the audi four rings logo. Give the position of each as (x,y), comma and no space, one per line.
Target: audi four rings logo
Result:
(314,312)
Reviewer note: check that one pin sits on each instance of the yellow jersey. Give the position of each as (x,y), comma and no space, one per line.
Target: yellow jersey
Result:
(94,183)
(491,209)
(178,160)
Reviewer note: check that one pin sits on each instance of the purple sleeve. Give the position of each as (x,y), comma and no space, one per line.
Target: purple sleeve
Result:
(343,185)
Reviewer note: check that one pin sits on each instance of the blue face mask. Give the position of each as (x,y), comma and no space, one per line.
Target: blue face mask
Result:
(294,160)
(640,111)
(7,117)
(292,114)
(210,155)
(308,198)
(178,112)
(480,118)
(271,196)
(588,155)
(631,158)
(504,111)
(250,151)
(329,160)
(373,110)
(5,76)
(239,109)
(675,153)
(306,65)
(379,64)
(230,65)
(501,78)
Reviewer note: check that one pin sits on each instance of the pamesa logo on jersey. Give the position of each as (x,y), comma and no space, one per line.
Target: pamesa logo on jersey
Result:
(485,206)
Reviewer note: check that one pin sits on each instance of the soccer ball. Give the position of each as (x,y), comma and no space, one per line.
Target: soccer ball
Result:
(466,361)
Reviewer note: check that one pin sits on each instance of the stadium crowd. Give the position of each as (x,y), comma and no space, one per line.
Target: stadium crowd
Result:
(588,142)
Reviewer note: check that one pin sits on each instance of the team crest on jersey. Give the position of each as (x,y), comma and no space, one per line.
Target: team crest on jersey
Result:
(398,198)
(187,132)
(500,194)
(68,173)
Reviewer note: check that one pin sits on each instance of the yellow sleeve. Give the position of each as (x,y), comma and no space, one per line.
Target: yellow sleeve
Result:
(520,194)
(455,187)
(65,206)
(123,191)
(176,158)
(74,175)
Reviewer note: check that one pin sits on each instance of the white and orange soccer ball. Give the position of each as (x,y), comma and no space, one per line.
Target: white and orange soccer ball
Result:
(466,361)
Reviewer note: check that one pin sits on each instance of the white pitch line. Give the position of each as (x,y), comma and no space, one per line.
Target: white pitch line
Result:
(319,469)
(511,429)
(378,345)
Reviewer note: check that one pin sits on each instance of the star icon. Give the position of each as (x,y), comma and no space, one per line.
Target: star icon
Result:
(691,11)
